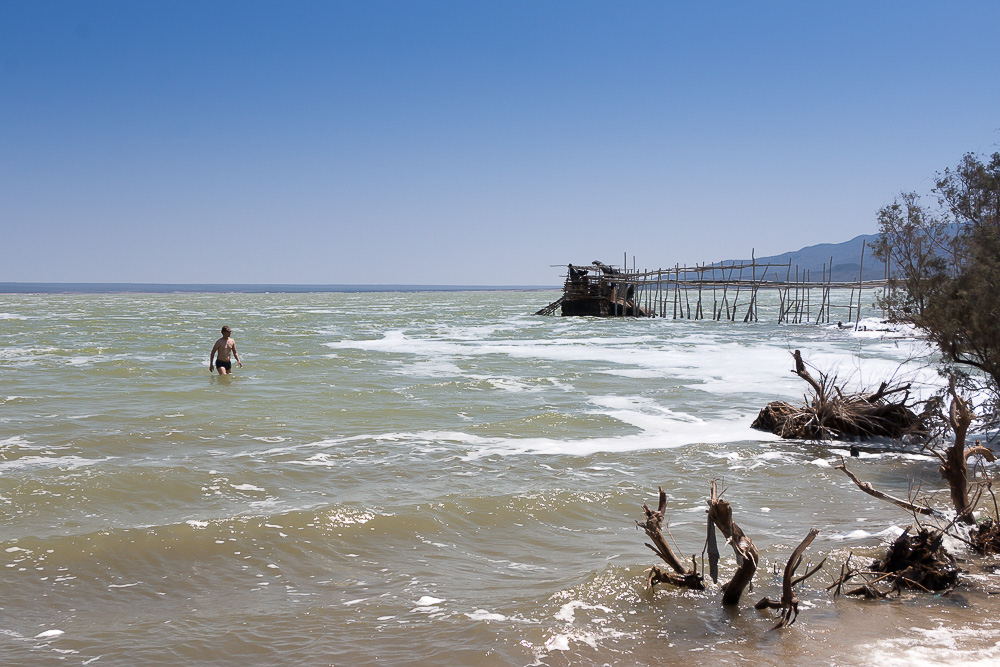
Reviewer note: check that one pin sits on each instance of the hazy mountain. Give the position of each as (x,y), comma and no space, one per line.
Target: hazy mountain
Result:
(846,258)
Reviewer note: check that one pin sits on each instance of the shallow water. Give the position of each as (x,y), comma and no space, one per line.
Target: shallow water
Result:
(429,478)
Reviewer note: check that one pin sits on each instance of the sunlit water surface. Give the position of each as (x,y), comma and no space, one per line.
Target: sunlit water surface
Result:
(431,478)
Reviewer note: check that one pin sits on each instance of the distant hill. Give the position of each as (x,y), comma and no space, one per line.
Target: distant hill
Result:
(846,258)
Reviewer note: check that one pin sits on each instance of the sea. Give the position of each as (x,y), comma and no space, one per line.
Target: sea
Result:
(440,478)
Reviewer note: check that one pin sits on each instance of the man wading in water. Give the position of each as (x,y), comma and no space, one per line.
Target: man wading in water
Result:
(223,347)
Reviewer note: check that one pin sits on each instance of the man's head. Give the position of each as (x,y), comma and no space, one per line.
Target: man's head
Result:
(226,331)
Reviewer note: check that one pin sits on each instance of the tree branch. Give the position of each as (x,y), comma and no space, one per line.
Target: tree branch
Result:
(800,370)
(653,526)
(872,491)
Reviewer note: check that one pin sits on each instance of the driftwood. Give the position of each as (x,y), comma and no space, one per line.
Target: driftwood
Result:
(789,604)
(919,560)
(913,561)
(916,561)
(899,502)
(986,538)
(832,414)
(680,576)
(721,515)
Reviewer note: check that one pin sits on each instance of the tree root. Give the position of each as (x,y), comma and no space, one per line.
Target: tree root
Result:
(913,561)
(789,604)
(680,576)
(834,415)
(721,514)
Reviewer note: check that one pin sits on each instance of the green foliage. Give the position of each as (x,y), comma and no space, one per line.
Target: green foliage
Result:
(917,246)
(945,266)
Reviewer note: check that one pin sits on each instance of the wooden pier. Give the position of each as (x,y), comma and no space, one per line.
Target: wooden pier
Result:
(721,291)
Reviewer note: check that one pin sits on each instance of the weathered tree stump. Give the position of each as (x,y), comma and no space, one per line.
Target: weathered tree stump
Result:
(918,561)
(680,575)
(789,604)
(954,467)
(833,415)
(721,515)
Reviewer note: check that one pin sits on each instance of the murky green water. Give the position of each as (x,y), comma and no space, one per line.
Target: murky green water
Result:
(429,478)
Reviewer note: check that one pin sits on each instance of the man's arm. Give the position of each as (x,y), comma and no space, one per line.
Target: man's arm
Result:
(211,357)
(237,355)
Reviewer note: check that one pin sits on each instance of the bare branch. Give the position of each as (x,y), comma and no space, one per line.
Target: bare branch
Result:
(872,491)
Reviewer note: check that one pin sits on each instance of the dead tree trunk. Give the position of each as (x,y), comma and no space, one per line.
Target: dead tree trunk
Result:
(789,604)
(954,468)
(721,514)
(681,576)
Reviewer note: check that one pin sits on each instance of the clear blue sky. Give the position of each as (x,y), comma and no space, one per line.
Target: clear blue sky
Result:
(468,142)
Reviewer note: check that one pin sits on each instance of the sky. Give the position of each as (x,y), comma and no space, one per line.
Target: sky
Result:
(468,143)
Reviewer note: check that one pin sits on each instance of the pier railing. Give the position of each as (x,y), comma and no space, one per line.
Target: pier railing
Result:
(725,290)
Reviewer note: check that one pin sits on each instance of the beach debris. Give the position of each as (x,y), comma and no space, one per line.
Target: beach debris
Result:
(831,414)
(985,539)
(914,560)
(720,517)
(917,559)
(909,505)
(789,604)
(720,514)
(680,575)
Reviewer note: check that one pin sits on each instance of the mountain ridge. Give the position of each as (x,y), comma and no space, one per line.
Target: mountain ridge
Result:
(845,258)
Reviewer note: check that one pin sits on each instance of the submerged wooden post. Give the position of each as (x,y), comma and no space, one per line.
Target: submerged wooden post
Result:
(861,276)
(809,291)
(781,299)
(699,313)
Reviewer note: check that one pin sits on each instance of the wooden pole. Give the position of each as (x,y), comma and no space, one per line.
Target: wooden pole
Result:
(687,298)
(677,287)
(699,313)
(861,274)
(752,310)
(809,291)
(715,304)
(829,296)
(736,299)
(781,299)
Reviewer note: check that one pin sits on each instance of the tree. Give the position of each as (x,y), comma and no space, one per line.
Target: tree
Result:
(945,269)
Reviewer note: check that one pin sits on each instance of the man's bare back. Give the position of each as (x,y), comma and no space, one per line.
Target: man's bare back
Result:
(224,347)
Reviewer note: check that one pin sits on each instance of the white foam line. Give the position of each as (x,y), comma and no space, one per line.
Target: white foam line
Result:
(716,366)
(68,462)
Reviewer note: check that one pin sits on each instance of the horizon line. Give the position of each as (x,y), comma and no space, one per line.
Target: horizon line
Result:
(12,287)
